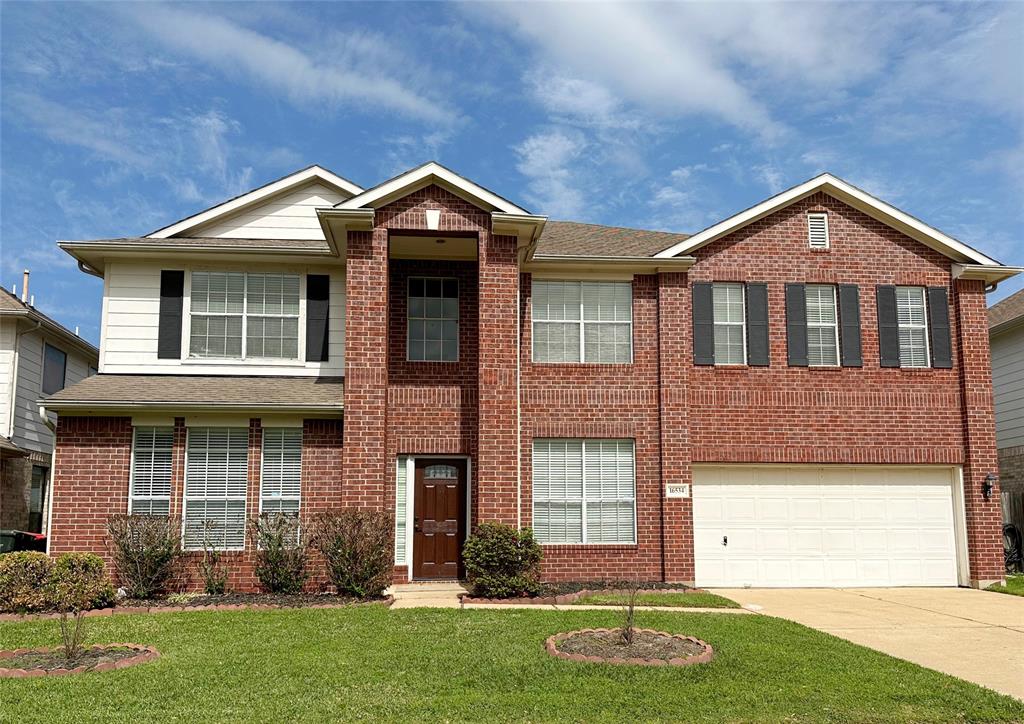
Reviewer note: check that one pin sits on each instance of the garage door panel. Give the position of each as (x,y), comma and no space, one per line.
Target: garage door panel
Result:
(823,526)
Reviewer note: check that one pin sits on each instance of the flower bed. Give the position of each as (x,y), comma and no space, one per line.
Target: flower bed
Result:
(571,597)
(23,663)
(226,602)
(649,648)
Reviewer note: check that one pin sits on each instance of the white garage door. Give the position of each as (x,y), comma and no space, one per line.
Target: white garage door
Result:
(829,526)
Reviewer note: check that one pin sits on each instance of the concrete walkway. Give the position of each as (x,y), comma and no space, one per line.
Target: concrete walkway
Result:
(974,635)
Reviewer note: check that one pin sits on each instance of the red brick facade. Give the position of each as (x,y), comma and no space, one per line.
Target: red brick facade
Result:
(495,400)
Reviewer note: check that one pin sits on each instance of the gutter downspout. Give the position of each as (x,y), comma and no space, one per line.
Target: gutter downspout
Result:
(85,268)
(48,509)
(519,421)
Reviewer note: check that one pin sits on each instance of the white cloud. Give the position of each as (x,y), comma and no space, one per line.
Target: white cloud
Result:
(680,203)
(545,159)
(771,176)
(344,70)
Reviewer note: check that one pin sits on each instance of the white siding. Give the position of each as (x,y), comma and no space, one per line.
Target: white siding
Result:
(1008,381)
(8,329)
(131,312)
(29,431)
(289,216)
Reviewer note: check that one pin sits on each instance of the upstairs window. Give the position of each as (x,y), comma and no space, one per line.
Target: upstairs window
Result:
(55,367)
(912,318)
(589,322)
(822,325)
(433,320)
(729,309)
(265,306)
(817,231)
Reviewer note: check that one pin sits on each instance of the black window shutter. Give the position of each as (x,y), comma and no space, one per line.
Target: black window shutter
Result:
(172,287)
(796,325)
(757,324)
(888,327)
(849,325)
(318,297)
(938,320)
(703,325)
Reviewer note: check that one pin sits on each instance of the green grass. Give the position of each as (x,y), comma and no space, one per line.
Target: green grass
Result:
(679,599)
(372,664)
(1014,586)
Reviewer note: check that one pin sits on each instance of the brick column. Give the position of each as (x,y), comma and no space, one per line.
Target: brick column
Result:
(673,368)
(984,517)
(495,475)
(366,349)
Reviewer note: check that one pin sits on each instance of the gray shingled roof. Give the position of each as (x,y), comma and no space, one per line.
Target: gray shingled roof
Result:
(572,238)
(1007,310)
(193,391)
(9,450)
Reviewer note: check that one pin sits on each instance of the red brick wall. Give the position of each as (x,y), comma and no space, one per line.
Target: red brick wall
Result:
(93,463)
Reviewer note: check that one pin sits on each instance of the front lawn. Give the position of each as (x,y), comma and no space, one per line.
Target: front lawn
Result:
(678,599)
(370,663)
(1014,586)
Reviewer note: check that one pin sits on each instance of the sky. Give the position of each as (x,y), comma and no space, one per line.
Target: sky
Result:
(117,119)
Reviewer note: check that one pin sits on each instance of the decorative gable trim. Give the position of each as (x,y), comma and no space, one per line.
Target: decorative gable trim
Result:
(848,194)
(232,206)
(425,175)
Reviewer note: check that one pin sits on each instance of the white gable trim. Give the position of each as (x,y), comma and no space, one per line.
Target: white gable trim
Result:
(914,228)
(306,175)
(422,176)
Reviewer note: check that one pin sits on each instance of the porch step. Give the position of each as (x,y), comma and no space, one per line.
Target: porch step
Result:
(427,594)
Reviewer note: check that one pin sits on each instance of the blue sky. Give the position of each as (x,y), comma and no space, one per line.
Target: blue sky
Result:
(117,119)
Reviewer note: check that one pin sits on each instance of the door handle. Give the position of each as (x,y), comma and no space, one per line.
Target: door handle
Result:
(725,540)
(416,525)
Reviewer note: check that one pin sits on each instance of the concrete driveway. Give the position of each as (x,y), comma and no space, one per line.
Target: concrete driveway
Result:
(974,635)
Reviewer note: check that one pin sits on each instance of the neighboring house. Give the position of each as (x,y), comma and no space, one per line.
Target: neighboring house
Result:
(799,395)
(38,356)
(1006,331)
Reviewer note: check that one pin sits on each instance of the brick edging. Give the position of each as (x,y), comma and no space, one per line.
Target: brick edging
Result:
(129,610)
(145,653)
(702,658)
(563,598)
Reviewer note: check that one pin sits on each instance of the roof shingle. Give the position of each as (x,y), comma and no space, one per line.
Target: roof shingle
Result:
(1007,310)
(193,391)
(571,238)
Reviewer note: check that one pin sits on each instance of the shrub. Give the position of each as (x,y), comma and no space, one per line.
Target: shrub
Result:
(80,579)
(281,552)
(146,551)
(502,562)
(211,565)
(23,579)
(77,583)
(358,547)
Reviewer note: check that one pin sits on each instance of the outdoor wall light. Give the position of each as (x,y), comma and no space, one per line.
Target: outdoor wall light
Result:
(988,485)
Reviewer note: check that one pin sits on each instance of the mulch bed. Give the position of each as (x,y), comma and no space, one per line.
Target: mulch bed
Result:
(649,647)
(24,663)
(560,599)
(225,602)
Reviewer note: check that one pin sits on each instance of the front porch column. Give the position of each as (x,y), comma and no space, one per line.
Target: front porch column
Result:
(364,473)
(984,517)
(496,474)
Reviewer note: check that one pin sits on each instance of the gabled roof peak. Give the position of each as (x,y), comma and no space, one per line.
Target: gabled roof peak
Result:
(233,205)
(422,176)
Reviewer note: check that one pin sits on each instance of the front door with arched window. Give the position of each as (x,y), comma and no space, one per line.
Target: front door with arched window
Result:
(439,518)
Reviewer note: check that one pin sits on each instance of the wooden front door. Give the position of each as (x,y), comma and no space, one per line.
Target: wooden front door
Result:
(439,518)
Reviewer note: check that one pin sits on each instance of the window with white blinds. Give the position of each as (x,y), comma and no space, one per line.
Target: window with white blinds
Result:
(822,325)
(584,491)
(266,306)
(149,491)
(729,310)
(912,318)
(433,320)
(281,470)
(216,478)
(589,322)
(817,231)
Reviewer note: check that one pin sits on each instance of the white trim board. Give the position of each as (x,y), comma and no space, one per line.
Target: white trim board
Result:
(293,180)
(849,194)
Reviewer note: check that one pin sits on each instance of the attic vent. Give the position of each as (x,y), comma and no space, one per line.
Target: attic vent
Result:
(817,230)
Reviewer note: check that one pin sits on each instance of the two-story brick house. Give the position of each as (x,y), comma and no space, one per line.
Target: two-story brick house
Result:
(799,395)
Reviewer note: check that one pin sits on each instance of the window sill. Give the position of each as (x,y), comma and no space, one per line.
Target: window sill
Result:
(592,546)
(231,361)
(587,365)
